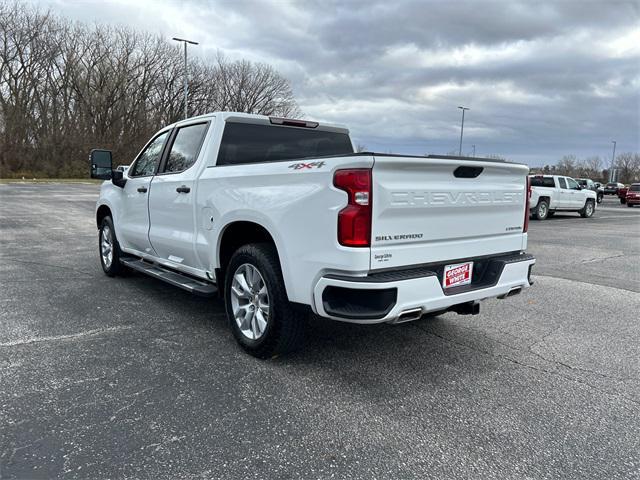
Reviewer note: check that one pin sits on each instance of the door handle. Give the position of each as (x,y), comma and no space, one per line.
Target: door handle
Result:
(142,189)
(183,189)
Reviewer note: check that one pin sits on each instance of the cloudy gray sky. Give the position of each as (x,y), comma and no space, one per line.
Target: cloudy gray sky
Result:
(542,79)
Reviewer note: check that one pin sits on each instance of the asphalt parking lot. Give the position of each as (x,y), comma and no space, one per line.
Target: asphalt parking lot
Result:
(131,378)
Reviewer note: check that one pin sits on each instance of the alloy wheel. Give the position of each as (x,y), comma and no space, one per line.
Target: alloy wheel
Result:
(250,301)
(106,246)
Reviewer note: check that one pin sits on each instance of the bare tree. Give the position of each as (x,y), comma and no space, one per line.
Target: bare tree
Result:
(243,86)
(591,167)
(67,87)
(567,165)
(628,165)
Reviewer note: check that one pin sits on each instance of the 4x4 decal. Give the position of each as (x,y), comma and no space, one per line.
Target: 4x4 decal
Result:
(302,165)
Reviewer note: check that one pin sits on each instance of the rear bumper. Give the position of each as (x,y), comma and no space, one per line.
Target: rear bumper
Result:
(389,296)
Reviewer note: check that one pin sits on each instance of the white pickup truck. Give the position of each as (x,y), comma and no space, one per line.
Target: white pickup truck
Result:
(555,193)
(282,218)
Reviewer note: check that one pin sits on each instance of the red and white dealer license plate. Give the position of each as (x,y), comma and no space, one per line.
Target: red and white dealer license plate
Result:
(457,274)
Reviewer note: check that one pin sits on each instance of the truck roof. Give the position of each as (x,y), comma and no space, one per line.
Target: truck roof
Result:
(241,117)
(553,176)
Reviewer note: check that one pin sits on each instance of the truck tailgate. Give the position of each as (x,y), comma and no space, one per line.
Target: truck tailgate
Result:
(429,209)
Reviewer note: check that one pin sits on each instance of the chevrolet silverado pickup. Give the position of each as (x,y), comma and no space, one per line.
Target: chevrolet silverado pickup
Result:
(555,193)
(282,218)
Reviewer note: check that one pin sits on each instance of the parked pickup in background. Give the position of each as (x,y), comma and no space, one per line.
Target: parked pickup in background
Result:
(283,218)
(554,193)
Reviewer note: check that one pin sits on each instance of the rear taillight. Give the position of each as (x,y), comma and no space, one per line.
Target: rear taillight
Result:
(354,220)
(527,194)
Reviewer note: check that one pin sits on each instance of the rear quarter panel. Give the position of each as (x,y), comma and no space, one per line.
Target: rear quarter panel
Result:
(548,192)
(297,206)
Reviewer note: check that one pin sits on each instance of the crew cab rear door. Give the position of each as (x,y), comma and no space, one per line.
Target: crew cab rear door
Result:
(172,198)
(428,209)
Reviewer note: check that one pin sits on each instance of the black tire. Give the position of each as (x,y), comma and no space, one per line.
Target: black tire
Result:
(588,209)
(623,201)
(286,324)
(629,205)
(114,267)
(541,212)
(599,199)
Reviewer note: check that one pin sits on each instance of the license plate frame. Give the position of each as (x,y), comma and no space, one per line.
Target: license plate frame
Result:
(462,275)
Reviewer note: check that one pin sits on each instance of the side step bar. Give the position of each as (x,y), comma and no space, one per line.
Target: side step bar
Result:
(185,282)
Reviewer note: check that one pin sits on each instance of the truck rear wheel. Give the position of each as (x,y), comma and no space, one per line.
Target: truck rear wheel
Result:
(588,209)
(541,211)
(262,319)
(109,249)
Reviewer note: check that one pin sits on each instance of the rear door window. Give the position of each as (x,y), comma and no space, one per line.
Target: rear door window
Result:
(253,143)
(562,182)
(542,182)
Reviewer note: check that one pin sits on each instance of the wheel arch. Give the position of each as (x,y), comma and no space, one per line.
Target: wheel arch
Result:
(101,212)
(236,234)
(544,197)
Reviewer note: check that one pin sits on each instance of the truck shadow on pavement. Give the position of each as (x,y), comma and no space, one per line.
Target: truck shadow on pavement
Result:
(419,352)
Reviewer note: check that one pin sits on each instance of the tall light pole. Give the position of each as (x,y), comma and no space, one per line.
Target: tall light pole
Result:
(613,160)
(474,150)
(462,129)
(186,88)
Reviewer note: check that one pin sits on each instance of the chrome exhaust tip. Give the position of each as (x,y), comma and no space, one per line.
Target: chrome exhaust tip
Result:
(409,315)
(510,293)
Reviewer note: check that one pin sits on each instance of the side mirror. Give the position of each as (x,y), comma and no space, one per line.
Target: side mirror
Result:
(101,164)
(117,177)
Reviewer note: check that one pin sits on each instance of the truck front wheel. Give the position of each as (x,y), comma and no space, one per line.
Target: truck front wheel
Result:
(541,211)
(588,209)
(262,319)
(109,248)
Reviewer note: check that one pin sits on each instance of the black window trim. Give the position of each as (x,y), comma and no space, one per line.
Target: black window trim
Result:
(164,147)
(174,133)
